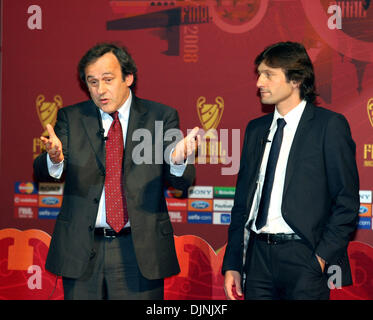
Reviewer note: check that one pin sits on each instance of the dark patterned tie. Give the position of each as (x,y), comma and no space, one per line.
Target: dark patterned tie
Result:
(116,209)
(261,218)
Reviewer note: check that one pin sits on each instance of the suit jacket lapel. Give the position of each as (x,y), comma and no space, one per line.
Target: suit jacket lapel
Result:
(303,128)
(262,136)
(92,124)
(135,121)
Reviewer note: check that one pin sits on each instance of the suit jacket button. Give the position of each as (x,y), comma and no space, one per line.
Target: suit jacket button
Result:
(95,200)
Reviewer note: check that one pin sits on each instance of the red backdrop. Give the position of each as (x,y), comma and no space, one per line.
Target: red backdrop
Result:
(192,55)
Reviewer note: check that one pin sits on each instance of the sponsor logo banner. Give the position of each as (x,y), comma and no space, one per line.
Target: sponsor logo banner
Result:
(48,213)
(25,212)
(25,188)
(223,204)
(51,188)
(199,205)
(178,216)
(176,204)
(224,192)
(222,218)
(200,217)
(26,200)
(365,196)
(50,201)
(203,192)
(365,223)
(173,193)
(365,210)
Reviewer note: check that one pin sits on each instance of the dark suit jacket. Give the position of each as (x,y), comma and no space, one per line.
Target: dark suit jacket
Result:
(78,128)
(321,192)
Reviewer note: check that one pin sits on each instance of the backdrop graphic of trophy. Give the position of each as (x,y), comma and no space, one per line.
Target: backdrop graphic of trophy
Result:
(210,115)
(47,111)
(370,110)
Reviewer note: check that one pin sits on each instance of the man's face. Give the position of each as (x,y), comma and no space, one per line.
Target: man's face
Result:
(105,83)
(274,87)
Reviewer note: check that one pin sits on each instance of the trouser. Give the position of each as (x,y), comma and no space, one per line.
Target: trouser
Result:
(284,270)
(113,273)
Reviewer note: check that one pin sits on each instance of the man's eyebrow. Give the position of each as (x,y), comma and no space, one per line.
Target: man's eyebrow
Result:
(264,70)
(104,74)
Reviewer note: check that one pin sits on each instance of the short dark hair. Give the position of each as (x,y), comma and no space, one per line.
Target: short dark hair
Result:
(126,62)
(293,59)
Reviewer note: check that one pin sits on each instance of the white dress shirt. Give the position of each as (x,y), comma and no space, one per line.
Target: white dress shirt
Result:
(56,170)
(275,222)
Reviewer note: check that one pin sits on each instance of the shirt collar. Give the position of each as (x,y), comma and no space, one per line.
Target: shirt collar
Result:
(292,117)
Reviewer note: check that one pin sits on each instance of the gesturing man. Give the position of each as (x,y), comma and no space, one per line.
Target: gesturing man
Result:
(113,238)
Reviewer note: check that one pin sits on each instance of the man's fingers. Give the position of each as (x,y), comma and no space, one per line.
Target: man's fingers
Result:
(187,146)
(192,141)
(229,294)
(44,140)
(49,142)
(193,133)
(232,284)
(229,291)
(51,132)
(238,288)
(53,145)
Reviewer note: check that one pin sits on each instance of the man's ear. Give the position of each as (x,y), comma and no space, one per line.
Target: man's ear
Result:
(295,84)
(129,79)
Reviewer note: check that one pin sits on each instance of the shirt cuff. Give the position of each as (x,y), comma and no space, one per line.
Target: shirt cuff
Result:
(177,169)
(55,169)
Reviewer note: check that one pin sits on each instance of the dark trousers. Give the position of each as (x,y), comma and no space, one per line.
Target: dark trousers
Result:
(286,270)
(113,274)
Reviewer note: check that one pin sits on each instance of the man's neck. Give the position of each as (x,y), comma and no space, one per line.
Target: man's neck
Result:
(285,107)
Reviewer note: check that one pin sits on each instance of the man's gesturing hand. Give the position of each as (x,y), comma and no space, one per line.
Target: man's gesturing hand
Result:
(186,147)
(53,145)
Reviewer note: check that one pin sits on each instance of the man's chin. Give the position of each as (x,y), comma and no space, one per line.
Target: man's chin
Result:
(107,108)
(266,101)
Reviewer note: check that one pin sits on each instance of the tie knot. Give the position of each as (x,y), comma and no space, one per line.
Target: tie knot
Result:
(281,123)
(114,115)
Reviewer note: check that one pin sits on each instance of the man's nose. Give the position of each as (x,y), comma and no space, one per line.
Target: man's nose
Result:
(101,87)
(260,81)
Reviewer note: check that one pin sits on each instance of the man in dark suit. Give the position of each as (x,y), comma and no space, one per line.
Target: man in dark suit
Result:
(297,194)
(113,238)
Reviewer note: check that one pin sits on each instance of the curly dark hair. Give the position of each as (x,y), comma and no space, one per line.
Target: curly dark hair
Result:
(293,59)
(125,60)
